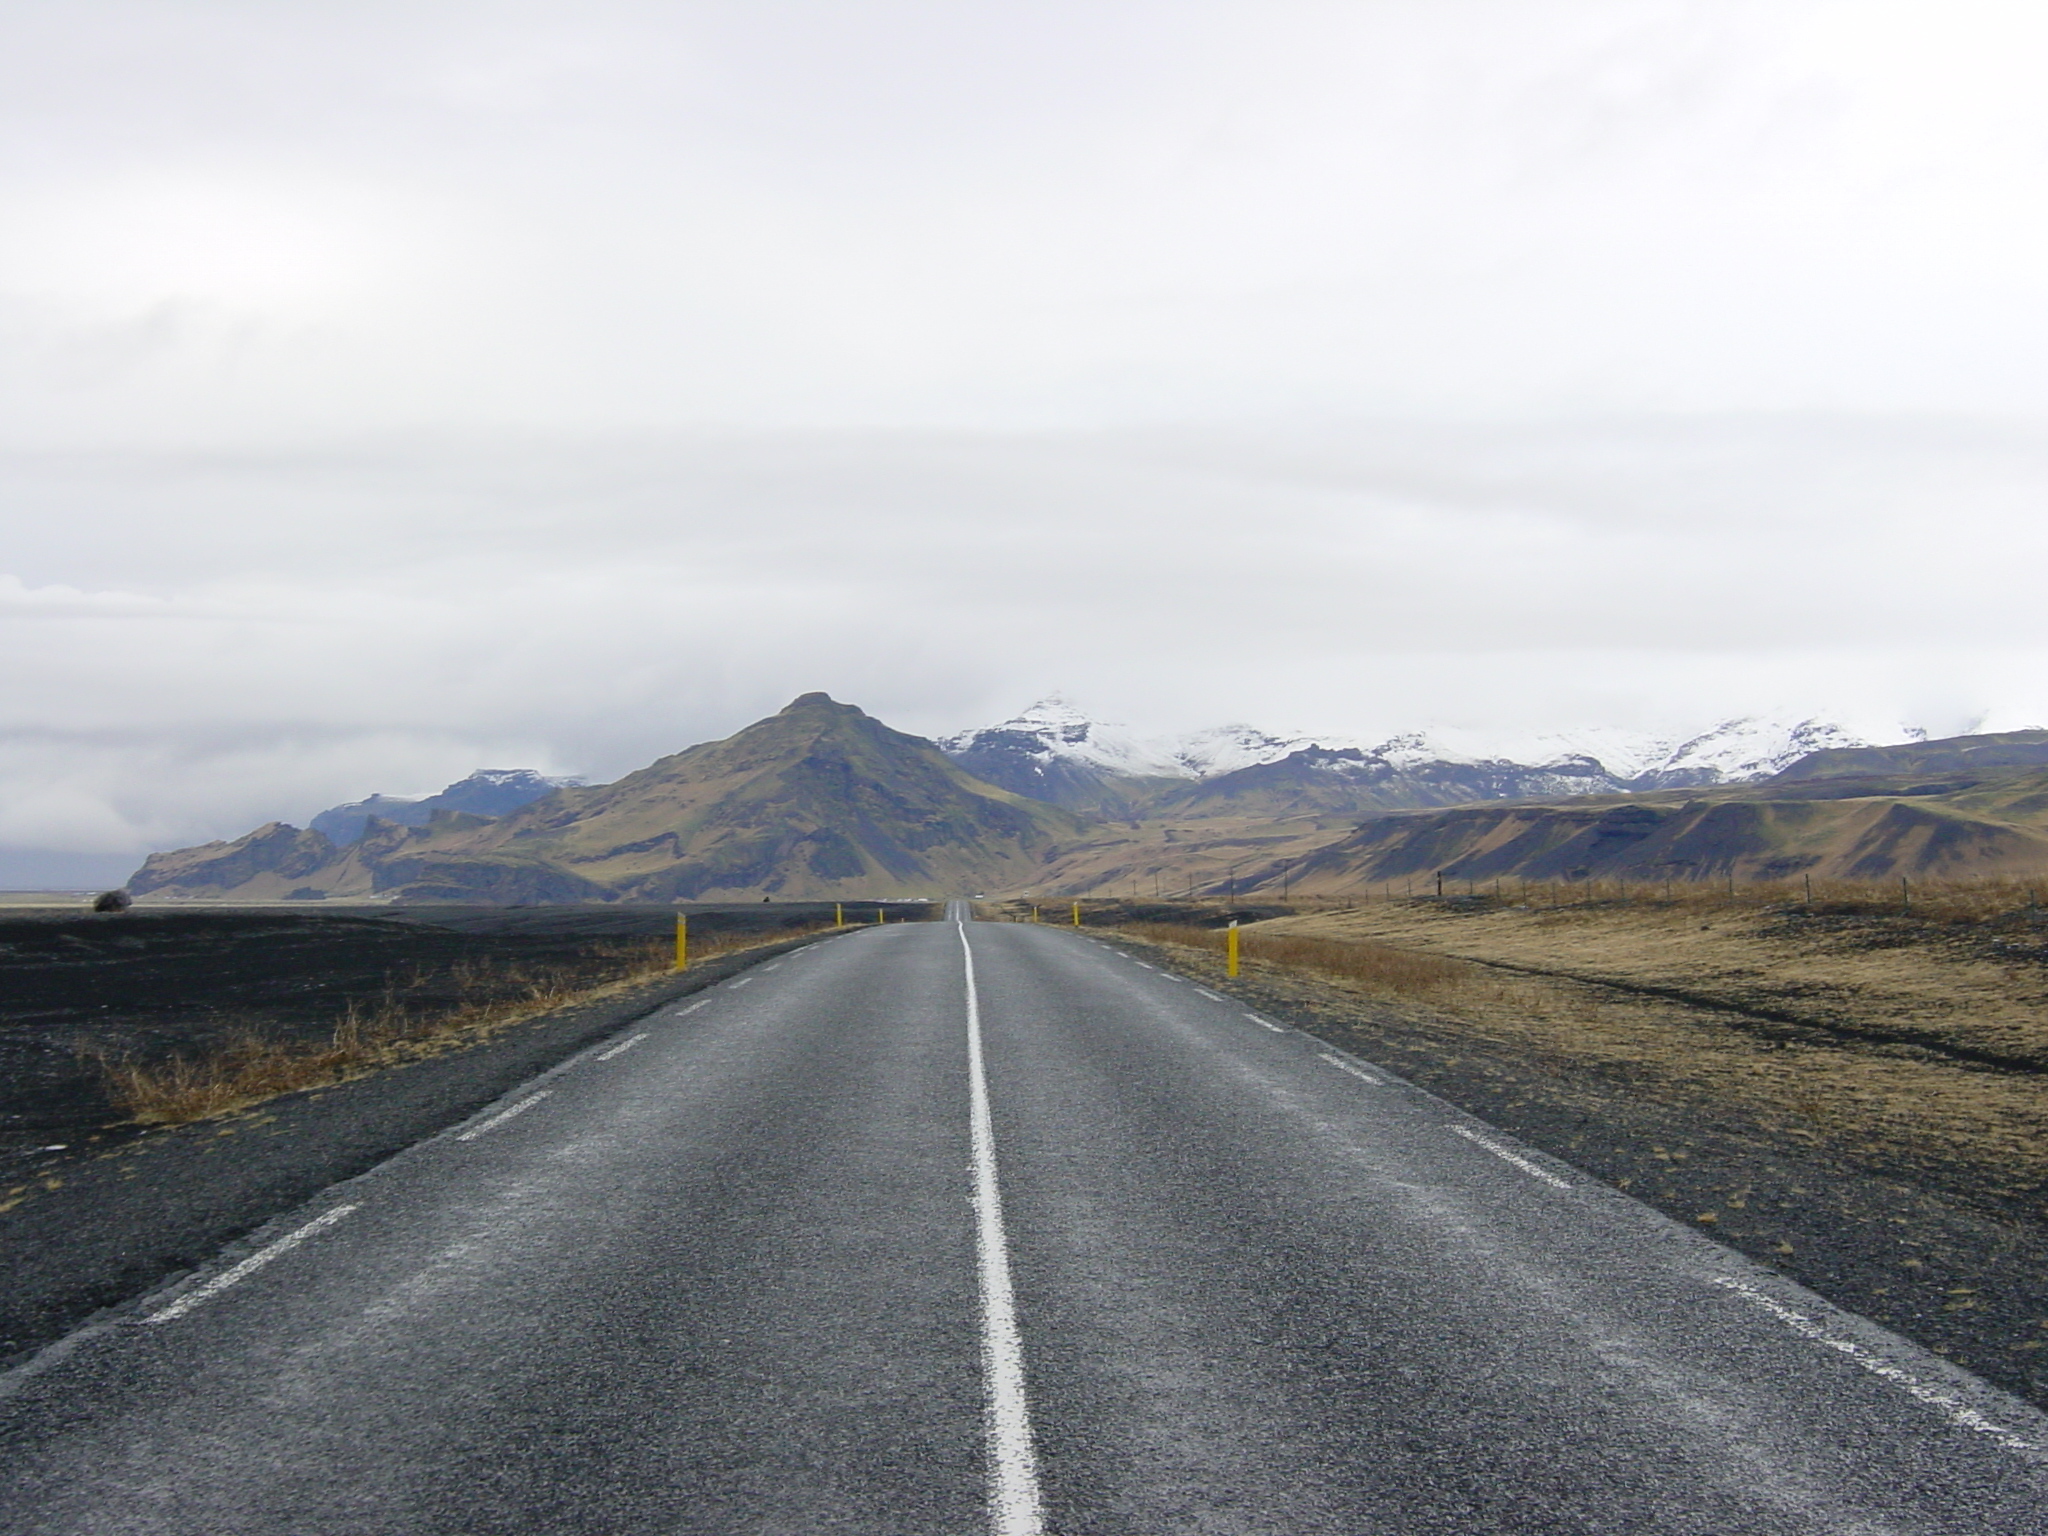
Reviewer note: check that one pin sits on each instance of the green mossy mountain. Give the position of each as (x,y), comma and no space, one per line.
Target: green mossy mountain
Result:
(1849,828)
(1947,755)
(817,801)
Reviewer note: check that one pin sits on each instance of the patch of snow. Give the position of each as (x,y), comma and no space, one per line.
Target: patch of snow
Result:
(1733,751)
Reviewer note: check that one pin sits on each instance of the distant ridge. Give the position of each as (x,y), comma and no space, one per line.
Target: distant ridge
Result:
(487,792)
(1952,754)
(1057,753)
(819,800)
(1962,807)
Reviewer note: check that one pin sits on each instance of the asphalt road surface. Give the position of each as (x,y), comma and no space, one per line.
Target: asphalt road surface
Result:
(957,1227)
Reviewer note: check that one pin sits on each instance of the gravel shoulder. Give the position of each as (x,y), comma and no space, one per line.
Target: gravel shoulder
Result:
(92,1227)
(1823,1157)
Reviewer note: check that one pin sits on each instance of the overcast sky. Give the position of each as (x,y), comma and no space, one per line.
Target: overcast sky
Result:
(392,389)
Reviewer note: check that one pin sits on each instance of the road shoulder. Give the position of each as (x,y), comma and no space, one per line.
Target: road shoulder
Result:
(101,1228)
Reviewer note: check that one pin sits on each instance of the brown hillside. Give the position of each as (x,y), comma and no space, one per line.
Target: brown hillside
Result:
(818,801)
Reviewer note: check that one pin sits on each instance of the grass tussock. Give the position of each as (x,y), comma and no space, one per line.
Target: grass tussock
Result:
(252,1065)
(1379,967)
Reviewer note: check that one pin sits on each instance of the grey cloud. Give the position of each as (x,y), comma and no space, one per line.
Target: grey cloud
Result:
(387,390)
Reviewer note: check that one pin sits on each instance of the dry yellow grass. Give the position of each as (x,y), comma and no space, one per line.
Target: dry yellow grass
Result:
(1378,967)
(1869,1099)
(252,1066)
(1945,901)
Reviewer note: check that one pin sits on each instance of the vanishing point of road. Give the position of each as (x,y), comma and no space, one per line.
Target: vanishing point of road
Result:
(953,1227)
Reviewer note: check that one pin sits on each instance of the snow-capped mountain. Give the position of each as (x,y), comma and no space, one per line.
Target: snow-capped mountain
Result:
(487,792)
(1054,751)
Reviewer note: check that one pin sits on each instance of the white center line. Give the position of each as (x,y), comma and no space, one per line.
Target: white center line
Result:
(248,1266)
(1015,1505)
(503,1115)
(620,1049)
(1266,1023)
(1507,1156)
(1356,1071)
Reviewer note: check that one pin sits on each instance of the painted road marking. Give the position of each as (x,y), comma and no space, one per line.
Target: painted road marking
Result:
(503,1115)
(1952,1408)
(248,1266)
(1015,1506)
(1355,1070)
(1142,965)
(620,1049)
(1210,995)
(775,967)
(1506,1155)
(741,982)
(1266,1023)
(680,1012)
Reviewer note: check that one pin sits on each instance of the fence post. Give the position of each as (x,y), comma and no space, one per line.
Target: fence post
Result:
(1230,949)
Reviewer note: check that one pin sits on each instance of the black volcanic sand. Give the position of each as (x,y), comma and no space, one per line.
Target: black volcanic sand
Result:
(121,1210)
(1967,1279)
(151,983)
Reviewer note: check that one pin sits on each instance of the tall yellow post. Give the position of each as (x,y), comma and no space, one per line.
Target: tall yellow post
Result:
(1230,949)
(1077,914)
(1034,914)
(682,942)
(878,914)
(838,914)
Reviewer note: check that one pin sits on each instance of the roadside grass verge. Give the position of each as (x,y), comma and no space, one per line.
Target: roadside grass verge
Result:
(1377,967)
(252,1064)
(1985,900)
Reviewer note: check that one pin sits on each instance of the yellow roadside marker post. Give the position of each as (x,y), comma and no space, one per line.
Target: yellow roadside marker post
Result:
(1077,914)
(838,914)
(1230,949)
(878,914)
(682,942)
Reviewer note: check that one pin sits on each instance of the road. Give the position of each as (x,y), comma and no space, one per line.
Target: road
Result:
(957,1227)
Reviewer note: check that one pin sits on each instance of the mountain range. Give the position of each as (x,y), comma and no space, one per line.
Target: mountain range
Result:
(819,800)
(822,800)
(487,792)
(1054,752)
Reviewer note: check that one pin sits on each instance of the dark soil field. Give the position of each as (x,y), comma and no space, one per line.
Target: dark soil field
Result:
(148,984)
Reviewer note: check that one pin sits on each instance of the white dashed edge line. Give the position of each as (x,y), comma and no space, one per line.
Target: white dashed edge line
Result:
(739,981)
(1951,1407)
(248,1266)
(621,1048)
(1353,1068)
(503,1115)
(1508,1156)
(1211,995)
(1266,1024)
(680,1012)
(1141,965)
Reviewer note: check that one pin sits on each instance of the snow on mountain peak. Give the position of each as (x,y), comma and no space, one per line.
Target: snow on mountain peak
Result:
(1055,730)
